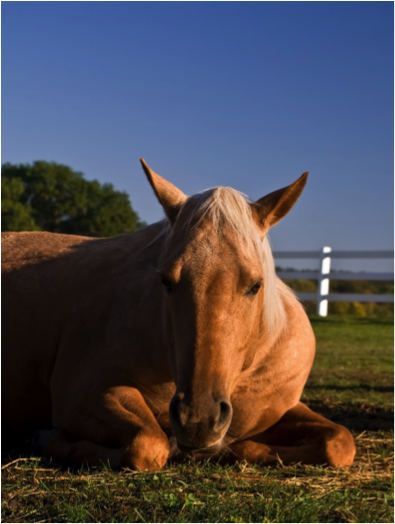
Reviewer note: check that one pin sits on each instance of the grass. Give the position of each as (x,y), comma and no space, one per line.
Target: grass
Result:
(352,383)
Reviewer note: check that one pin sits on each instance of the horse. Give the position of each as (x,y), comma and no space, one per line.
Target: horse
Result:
(175,341)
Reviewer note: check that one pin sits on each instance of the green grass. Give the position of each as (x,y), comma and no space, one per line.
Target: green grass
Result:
(353,372)
(352,383)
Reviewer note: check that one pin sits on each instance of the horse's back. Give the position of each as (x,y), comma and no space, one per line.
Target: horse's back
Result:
(31,323)
(46,277)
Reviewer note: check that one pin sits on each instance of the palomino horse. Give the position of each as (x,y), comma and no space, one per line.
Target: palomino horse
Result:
(178,339)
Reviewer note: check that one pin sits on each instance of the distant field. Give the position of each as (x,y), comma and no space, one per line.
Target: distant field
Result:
(352,383)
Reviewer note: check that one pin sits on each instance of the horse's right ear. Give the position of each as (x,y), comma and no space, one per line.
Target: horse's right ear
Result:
(170,197)
(270,209)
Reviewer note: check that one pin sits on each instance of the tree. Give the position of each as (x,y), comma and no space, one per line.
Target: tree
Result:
(15,216)
(52,197)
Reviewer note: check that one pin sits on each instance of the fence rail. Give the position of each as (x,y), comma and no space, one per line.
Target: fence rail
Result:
(324,276)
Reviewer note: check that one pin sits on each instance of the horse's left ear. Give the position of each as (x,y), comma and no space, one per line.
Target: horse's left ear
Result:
(270,209)
(170,197)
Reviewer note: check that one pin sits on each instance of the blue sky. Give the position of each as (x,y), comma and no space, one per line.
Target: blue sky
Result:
(243,94)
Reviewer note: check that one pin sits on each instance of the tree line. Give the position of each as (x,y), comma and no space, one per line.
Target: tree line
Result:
(46,196)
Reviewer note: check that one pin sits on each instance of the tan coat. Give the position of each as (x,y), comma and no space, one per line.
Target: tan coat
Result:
(176,339)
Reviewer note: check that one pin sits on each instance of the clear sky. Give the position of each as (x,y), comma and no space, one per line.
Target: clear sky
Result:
(243,94)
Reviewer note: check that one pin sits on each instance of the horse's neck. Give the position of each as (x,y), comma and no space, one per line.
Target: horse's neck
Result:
(290,343)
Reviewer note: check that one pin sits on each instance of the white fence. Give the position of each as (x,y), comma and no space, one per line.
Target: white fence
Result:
(324,275)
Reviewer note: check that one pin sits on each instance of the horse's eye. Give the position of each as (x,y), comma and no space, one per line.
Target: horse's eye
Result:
(255,288)
(167,284)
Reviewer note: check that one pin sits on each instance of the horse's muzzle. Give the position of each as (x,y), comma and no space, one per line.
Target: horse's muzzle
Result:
(209,451)
(199,427)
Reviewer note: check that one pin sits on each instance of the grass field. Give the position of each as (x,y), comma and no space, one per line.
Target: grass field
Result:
(352,383)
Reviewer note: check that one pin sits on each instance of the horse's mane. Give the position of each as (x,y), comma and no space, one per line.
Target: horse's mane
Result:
(224,206)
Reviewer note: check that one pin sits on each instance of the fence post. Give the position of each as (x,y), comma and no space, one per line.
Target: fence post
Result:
(323,282)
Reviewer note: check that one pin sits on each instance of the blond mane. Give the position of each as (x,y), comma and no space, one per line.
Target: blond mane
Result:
(224,206)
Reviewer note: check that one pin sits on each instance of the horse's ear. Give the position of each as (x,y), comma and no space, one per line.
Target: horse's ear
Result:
(170,197)
(270,209)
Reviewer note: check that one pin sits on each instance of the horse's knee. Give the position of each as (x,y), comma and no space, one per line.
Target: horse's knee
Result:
(146,451)
(339,447)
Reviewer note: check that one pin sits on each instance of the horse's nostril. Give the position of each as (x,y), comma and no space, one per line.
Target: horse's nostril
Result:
(179,412)
(225,413)
(225,409)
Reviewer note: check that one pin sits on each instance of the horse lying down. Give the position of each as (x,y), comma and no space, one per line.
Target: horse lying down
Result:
(176,340)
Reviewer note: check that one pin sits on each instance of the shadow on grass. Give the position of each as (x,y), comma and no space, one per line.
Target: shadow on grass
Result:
(366,387)
(362,417)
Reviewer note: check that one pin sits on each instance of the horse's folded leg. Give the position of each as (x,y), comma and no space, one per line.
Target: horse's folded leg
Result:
(112,426)
(325,442)
(57,445)
(301,435)
(145,451)
(255,452)
(248,451)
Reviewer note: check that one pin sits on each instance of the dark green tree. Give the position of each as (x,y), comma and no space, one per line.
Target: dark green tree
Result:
(15,216)
(52,197)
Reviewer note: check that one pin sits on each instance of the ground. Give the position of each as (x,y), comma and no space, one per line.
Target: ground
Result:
(351,382)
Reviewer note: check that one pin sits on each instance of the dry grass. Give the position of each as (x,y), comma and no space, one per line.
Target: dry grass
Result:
(36,491)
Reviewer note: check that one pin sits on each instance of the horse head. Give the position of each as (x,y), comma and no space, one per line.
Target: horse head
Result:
(220,298)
